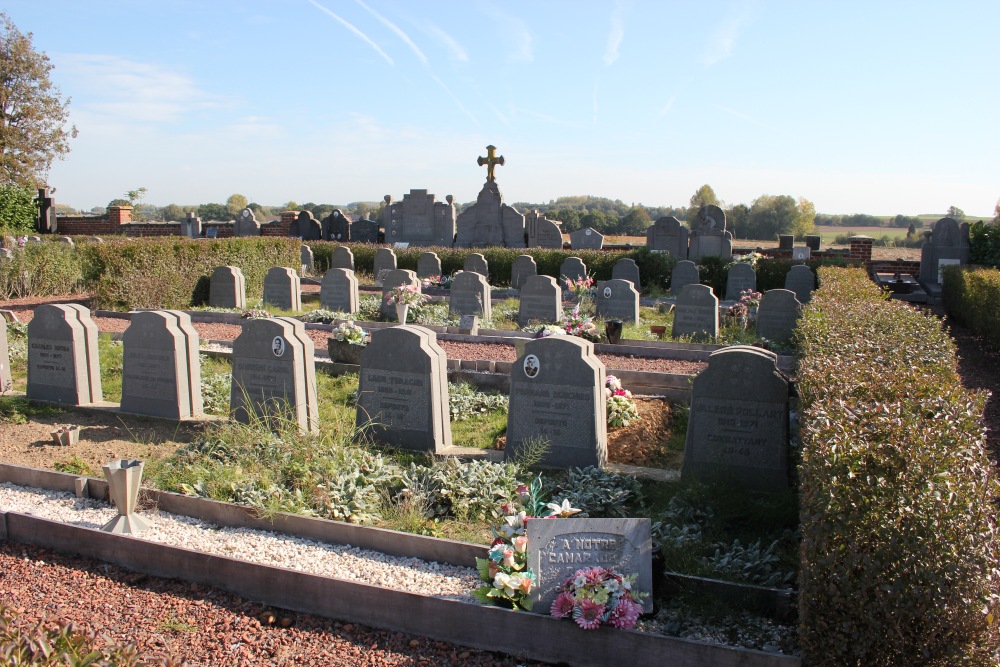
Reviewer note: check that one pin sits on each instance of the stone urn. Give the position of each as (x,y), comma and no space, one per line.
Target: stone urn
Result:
(343,352)
(401,310)
(65,436)
(613,330)
(124,477)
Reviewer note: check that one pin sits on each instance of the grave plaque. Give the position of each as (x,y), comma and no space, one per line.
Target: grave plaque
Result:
(385,260)
(521,269)
(306,256)
(336,227)
(801,280)
(541,301)
(777,315)
(557,548)
(395,278)
(282,289)
(274,373)
(364,231)
(626,269)
(572,268)
(5,379)
(477,262)
(741,277)
(801,253)
(420,220)
(696,313)
(685,273)
(542,232)
(617,300)
(68,240)
(557,394)
(470,295)
(246,224)
(339,291)
(814,242)
(586,239)
(227,288)
(63,364)
(428,264)
(190,226)
(342,258)
(668,234)
(403,389)
(946,243)
(306,227)
(161,369)
(738,423)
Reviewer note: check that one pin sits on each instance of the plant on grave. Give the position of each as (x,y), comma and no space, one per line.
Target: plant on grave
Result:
(409,295)
(744,311)
(323,316)
(622,410)
(600,493)
(545,330)
(580,288)
(255,314)
(577,324)
(465,402)
(595,595)
(349,332)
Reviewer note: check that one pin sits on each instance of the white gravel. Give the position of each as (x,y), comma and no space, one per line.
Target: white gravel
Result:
(256,546)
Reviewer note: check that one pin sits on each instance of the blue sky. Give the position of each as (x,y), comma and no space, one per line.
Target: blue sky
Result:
(872,107)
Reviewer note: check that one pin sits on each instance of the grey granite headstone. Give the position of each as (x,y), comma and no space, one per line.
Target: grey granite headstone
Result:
(395,278)
(274,373)
(470,295)
(98,239)
(227,288)
(541,301)
(786,241)
(403,389)
(586,239)
(617,300)
(946,243)
(161,368)
(777,315)
(5,380)
(336,227)
(282,288)
(385,260)
(428,264)
(801,280)
(63,364)
(738,422)
(814,242)
(626,269)
(306,255)
(342,258)
(420,220)
(190,226)
(246,224)
(542,232)
(572,268)
(490,222)
(709,237)
(339,291)
(364,231)
(521,269)
(557,395)
(696,313)
(741,277)
(477,262)
(68,240)
(557,548)
(685,273)
(306,227)
(668,234)
(801,253)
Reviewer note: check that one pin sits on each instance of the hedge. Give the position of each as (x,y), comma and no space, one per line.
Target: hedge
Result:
(984,244)
(39,269)
(971,295)
(900,548)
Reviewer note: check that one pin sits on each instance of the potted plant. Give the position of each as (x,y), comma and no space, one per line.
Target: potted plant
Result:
(346,343)
(66,435)
(403,297)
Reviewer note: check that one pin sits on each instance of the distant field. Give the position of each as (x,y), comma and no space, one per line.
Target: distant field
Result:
(830,233)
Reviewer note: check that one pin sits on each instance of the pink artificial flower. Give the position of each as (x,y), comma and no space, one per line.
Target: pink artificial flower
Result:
(625,614)
(588,614)
(522,491)
(520,544)
(506,509)
(508,557)
(562,606)
(525,585)
(494,568)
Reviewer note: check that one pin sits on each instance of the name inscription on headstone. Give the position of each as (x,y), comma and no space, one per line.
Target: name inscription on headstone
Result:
(737,431)
(50,362)
(263,377)
(398,399)
(150,373)
(553,409)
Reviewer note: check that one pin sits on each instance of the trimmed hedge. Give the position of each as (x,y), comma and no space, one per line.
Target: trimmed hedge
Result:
(174,272)
(40,269)
(900,555)
(984,244)
(971,295)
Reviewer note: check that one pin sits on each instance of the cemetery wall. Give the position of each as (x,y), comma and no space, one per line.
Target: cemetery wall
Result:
(900,466)
(970,295)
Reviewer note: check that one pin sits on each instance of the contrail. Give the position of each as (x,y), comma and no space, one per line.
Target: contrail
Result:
(350,27)
(396,29)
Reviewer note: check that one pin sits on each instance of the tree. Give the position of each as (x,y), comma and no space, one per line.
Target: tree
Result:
(771,215)
(291,206)
(703,196)
(235,204)
(996,212)
(635,222)
(18,210)
(217,212)
(173,212)
(737,217)
(32,113)
(956,212)
(805,219)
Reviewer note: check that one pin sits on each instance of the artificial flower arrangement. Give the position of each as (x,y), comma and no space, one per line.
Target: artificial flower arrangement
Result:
(505,569)
(409,295)
(550,330)
(349,332)
(437,281)
(596,595)
(255,314)
(576,324)
(744,311)
(580,287)
(622,410)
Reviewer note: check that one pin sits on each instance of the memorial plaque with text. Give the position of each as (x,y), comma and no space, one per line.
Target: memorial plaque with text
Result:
(541,301)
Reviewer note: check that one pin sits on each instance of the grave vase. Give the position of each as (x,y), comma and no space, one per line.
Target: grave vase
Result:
(124,477)
(344,352)
(66,436)
(401,310)
(613,329)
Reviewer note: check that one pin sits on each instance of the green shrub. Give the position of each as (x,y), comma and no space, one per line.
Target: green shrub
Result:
(40,269)
(18,210)
(599,493)
(972,296)
(984,244)
(900,549)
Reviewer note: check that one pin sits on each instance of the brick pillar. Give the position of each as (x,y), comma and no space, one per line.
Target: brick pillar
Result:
(119,215)
(861,248)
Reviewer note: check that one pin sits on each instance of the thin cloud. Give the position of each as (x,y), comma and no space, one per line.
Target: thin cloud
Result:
(457,51)
(455,99)
(396,29)
(365,38)
(516,34)
(722,42)
(742,116)
(665,109)
(616,34)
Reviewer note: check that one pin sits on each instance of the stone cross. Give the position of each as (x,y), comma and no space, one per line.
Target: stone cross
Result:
(491,160)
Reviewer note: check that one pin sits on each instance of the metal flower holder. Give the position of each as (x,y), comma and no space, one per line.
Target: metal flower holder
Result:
(124,477)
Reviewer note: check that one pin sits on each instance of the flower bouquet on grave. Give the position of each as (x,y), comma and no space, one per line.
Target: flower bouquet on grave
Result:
(580,288)
(622,410)
(595,595)
(346,342)
(407,295)
(349,332)
(576,324)
(255,314)
(437,281)
(744,311)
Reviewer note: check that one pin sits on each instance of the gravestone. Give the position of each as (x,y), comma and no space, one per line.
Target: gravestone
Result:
(541,301)
(470,295)
(428,264)
(521,269)
(786,241)
(98,239)
(385,260)
(306,256)
(586,239)
(947,243)
(246,224)
(6,254)
(403,389)
(227,288)
(274,373)
(801,253)
(696,313)
(477,262)
(490,222)
(161,368)
(395,278)
(282,289)
(5,380)
(45,222)
(557,394)
(777,315)
(336,227)
(668,234)
(626,269)
(542,232)
(342,258)
(63,363)
(741,277)
(709,237)
(191,226)
(419,220)
(34,239)
(738,422)
(306,227)
(814,242)
(560,547)
(801,280)
(572,268)
(685,273)
(339,291)
(212,232)
(68,240)
(364,231)
(617,300)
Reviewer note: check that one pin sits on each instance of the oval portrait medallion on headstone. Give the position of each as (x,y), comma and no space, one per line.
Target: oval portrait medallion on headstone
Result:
(278,346)
(531,366)
(588,232)
(246,213)
(607,292)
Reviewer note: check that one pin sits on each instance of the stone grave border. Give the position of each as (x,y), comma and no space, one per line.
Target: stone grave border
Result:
(521,634)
